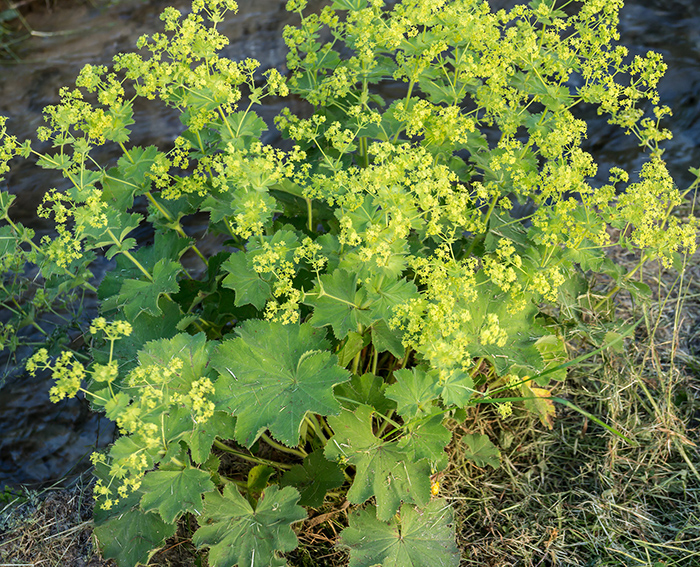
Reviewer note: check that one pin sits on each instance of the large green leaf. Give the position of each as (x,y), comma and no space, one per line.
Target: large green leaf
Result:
(383,469)
(272,375)
(415,538)
(237,534)
(172,493)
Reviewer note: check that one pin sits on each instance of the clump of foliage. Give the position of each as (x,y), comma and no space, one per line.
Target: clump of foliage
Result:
(374,280)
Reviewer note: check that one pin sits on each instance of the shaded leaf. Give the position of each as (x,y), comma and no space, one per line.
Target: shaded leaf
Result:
(480,450)
(127,534)
(316,476)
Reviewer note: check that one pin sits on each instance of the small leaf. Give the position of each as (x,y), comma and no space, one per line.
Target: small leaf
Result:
(246,282)
(414,538)
(367,389)
(237,534)
(427,440)
(553,352)
(481,451)
(258,477)
(353,344)
(173,493)
(539,401)
(313,479)
(414,392)
(457,389)
(201,438)
(138,296)
(387,295)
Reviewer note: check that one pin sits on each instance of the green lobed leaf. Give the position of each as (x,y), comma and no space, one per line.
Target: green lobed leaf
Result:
(414,392)
(383,469)
(457,388)
(354,343)
(337,302)
(427,439)
(384,339)
(247,283)
(172,493)
(138,296)
(127,534)
(385,295)
(237,534)
(367,389)
(417,537)
(201,438)
(272,375)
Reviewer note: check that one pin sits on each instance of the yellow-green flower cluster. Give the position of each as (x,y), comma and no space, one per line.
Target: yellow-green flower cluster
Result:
(66,371)
(113,330)
(202,408)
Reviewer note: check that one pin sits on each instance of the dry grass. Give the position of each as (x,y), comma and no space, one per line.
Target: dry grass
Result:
(575,496)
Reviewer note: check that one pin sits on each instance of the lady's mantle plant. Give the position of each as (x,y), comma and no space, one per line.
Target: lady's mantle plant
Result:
(374,281)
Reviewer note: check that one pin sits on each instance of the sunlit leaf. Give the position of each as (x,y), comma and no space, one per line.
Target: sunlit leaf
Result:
(237,534)
(337,302)
(172,493)
(383,469)
(272,375)
(414,392)
(416,537)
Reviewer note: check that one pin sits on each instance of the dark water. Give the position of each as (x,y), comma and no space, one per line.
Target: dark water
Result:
(40,441)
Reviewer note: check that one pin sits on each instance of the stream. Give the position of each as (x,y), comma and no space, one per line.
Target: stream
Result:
(41,442)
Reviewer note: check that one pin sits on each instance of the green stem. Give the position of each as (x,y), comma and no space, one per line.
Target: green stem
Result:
(250,458)
(283,448)
(309,212)
(129,255)
(316,426)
